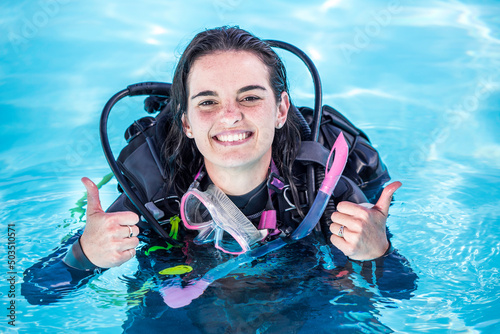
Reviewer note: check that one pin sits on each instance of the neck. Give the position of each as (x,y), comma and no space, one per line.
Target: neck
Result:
(241,180)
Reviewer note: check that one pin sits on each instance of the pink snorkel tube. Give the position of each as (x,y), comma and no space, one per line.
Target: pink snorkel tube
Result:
(332,176)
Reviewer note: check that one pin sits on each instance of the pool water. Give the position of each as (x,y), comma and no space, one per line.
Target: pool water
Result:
(421,78)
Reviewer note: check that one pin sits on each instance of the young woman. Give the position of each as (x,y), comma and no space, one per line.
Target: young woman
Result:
(231,117)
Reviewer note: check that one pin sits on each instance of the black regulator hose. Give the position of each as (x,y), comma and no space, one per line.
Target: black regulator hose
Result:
(148,88)
(318,111)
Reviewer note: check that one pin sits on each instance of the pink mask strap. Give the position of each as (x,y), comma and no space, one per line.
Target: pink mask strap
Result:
(199,172)
(268,220)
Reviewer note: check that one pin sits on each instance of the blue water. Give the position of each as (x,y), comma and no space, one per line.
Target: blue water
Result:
(422,78)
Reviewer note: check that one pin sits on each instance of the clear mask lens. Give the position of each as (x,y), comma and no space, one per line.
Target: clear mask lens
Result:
(218,220)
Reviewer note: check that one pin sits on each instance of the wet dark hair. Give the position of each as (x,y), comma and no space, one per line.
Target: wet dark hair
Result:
(181,155)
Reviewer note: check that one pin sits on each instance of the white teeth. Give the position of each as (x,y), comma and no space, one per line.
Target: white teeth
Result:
(231,138)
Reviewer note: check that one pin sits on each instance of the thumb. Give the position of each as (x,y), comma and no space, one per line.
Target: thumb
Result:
(93,201)
(384,201)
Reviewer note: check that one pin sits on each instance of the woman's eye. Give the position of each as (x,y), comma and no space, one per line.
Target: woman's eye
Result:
(206,103)
(251,98)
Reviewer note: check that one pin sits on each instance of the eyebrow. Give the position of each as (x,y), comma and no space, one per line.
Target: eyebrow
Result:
(250,87)
(241,90)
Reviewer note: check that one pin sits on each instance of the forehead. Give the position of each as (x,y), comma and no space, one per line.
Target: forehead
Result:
(227,69)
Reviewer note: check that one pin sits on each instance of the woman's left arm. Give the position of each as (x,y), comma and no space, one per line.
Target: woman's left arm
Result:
(360,231)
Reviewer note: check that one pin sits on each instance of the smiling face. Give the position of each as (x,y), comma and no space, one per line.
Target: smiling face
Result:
(232,111)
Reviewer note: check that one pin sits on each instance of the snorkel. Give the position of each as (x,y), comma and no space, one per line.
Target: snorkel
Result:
(325,191)
(332,176)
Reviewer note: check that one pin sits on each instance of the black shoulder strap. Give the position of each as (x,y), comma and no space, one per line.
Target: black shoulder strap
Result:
(364,166)
(312,151)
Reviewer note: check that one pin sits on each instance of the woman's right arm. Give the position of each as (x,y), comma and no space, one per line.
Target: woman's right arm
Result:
(108,240)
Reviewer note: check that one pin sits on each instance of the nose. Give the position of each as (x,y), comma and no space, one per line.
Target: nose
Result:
(231,114)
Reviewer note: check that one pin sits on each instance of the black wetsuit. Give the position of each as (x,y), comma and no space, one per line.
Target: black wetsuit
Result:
(268,299)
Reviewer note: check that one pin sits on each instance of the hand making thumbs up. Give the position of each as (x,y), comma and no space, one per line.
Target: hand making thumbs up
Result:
(360,232)
(109,239)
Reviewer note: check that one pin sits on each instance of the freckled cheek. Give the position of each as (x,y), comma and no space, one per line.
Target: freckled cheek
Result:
(201,125)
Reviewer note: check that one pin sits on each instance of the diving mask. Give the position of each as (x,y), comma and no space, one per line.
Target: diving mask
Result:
(218,220)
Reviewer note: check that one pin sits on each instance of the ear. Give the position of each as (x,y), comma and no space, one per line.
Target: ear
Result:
(283,107)
(186,127)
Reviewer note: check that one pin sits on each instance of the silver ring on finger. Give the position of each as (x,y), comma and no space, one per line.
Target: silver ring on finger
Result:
(131,253)
(340,233)
(131,233)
